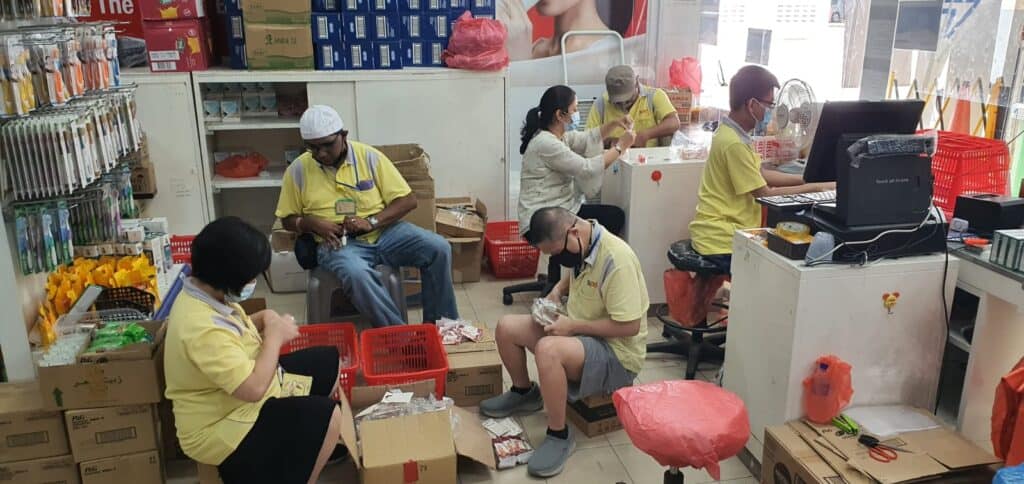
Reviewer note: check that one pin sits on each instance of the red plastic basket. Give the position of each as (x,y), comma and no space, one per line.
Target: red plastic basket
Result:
(967,164)
(395,355)
(509,254)
(339,335)
(181,248)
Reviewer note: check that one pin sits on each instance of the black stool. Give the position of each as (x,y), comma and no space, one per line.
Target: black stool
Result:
(704,341)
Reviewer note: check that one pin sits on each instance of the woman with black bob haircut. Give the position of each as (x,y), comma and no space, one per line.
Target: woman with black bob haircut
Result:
(562,166)
(258,417)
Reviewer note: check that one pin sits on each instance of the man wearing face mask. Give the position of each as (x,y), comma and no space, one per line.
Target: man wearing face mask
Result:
(732,176)
(597,347)
(352,199)
(654,117)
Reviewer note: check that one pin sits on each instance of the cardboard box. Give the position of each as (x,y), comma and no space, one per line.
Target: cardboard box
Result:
(278,46)
(788,459)
(412,26)
(25,431)
(326,6)
(389,7)
(326,27)
(435,6)
(279,12)
(329,57)
(438,26)
(55,470)
(409,159)
(115,382)
(179,45)
(389,55)
(171,9)
(143,180)
(133,352)
(467,258)
(360,56)
(461,217)
(410,6)
(124,12)
(285,274)
(423,215)
(419,448)
(99,433)
(422,53)
(385,26)
(474,371)
(594,416)
(141,468)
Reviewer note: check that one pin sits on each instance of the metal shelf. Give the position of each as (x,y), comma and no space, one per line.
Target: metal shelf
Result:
(272,180)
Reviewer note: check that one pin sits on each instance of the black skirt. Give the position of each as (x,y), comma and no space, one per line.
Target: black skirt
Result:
(283,444)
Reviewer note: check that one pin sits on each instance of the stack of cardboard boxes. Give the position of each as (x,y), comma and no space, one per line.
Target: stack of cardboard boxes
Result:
(177,34)
(462,221)
(278,34)
(91,422)
(234,33)
(474,370)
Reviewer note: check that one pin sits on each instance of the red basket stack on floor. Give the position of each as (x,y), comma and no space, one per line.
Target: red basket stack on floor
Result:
(965,164)
(339,335)
(395,355)
(510,256)
(181,248)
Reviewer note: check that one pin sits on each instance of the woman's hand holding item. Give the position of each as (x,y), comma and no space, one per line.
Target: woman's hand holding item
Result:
(279,329)
(627,139)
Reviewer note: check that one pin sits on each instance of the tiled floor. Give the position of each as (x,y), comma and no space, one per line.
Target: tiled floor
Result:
(608,459)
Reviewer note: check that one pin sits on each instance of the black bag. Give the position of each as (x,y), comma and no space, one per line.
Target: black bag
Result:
(305,251)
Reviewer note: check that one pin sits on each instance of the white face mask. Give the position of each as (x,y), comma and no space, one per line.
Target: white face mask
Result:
(247,293)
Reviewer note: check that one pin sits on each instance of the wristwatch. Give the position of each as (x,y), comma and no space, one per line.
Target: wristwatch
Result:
(373,221)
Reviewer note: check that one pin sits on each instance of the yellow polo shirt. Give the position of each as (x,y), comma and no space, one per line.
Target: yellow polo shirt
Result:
(611,286)
(725,202)
(210,349)
(643,117)
(367,181)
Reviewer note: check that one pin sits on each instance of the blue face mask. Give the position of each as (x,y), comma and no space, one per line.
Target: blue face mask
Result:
(247,293)
(762,126)
(575,123)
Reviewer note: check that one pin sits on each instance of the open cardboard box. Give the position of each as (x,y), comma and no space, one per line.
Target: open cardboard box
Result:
(474,370)
(418,448)
(125,376)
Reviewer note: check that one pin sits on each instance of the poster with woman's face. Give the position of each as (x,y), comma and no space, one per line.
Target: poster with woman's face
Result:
(536,27)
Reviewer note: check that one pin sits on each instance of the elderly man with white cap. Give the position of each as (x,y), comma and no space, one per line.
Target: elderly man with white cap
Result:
(352,199)
(654,117)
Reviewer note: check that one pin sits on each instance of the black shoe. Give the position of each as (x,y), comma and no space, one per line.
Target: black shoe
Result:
(340,454)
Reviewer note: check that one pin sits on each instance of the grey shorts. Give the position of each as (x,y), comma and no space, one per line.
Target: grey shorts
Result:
(602,371)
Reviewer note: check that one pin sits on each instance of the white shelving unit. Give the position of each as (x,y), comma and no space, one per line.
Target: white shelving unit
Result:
(253,124)
(273,179)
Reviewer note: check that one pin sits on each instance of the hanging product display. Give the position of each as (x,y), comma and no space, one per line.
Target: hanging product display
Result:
(11,10)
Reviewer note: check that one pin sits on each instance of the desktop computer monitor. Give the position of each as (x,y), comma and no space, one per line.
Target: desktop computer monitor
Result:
(863,118)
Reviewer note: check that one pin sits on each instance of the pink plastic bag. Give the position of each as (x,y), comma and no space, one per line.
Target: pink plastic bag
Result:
(828,390)
(685,73)
(477,44)
(684,423)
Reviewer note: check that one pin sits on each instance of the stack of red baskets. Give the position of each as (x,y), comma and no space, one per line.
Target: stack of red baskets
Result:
(965,164)
(509,255)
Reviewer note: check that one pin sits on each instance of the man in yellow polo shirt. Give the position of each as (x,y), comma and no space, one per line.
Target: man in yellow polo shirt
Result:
(351,197)
(654,117)
(597,348)
(733,178)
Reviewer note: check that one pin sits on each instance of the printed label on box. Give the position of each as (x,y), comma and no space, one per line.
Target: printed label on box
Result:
(164,55)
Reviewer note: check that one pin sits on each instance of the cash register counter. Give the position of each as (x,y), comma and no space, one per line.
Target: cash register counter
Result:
(784,315)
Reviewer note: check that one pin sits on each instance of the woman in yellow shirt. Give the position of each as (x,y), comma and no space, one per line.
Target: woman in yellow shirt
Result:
(237,405)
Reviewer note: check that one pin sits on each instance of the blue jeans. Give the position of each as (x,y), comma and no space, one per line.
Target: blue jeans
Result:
(400,245)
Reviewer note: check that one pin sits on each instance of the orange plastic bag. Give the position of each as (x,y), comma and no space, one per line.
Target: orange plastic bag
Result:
(686,73)
(714,425)
(689,297)
(828,390)
(242,166)
(1008,417)
(477,44)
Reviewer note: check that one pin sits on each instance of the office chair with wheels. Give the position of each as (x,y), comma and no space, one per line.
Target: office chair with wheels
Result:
(543,284)
(702,341)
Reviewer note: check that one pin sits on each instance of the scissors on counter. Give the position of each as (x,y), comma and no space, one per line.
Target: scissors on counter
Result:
(879,451)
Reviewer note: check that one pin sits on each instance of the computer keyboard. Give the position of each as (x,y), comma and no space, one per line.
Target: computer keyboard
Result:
(803,199)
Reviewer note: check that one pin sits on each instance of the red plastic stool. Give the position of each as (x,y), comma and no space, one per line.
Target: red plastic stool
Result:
(684,423)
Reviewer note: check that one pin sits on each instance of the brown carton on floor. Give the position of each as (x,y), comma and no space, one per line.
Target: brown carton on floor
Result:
(461,217)
(141,468)
(474,371)
(112,383)
(25,431)
(594,415)
(61,469)
(467,258)
(107,432)
(417,448)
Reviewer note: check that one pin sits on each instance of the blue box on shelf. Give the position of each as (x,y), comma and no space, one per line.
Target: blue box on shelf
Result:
(411,6)
(482,5)
(357,6)
(385,26)
(422,53)
(360,56)
(235,26)
(328,57)
(438,26)
(233,6)
(412,26)
(388,54)
(358,27)
(326,27)
(326,6)
(236,55)
(383,6)
(435,6)
(458,4)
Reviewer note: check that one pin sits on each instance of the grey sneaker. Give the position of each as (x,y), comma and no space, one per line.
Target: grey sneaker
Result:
(510,402)
(549,459)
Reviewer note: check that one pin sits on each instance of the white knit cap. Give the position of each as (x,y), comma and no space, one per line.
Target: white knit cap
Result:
(320,121)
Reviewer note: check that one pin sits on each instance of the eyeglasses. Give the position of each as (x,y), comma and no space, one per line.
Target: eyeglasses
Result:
(766,104)
(324,145)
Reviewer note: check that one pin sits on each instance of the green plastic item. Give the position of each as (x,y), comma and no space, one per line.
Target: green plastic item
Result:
(116,336)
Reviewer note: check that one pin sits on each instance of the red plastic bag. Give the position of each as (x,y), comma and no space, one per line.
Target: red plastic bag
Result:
(1008,417)
(689,297)
(242,166)
(477,44)
(828,390)
(684,423)
(685,73)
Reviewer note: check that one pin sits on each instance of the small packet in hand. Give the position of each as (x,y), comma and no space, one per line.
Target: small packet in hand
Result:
(545,311)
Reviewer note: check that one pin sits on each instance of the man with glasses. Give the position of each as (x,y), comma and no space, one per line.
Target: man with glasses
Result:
(733,177)
(653,115)
(352,199)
